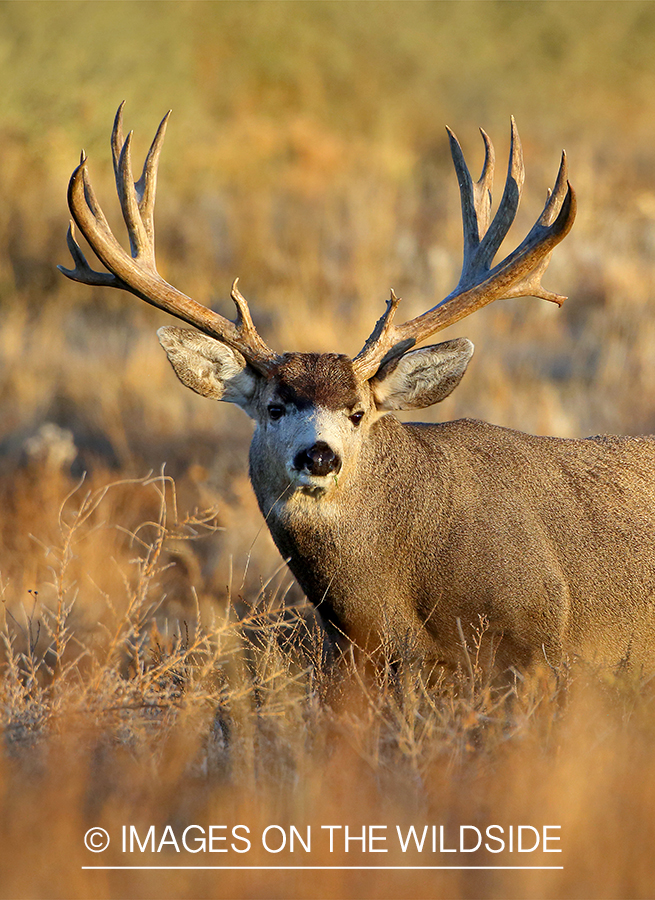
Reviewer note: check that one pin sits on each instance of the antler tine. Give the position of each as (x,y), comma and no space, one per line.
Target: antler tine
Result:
(142,194)
(139,244)
(475,196)
(83,271)
(247,330)
(556,196)
(137,273)
(146,186)
(482,187)
(384,335)
(506,212)
(518,275)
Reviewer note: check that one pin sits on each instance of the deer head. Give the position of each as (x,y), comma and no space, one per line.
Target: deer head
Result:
(314,412)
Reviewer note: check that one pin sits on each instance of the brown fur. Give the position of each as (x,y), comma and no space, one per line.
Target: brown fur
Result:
(427,534)
(322,379)
(549,540)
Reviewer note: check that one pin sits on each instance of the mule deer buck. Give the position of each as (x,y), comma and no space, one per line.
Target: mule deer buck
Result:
(404,535)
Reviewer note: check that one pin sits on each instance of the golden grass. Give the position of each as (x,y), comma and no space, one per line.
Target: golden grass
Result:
(123,703)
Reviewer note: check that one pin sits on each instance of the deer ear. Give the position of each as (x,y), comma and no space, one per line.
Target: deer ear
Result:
(421,377)
(209,367)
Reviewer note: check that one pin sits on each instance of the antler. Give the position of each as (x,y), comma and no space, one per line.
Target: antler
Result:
(137,273)
(518,275)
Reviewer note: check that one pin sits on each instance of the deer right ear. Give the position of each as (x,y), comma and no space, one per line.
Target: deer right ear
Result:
(208,367)
(421,377)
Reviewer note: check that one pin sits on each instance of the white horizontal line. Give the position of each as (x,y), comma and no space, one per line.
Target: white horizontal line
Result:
(328,868)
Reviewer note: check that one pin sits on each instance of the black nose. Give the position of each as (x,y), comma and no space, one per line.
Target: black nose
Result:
(317,460)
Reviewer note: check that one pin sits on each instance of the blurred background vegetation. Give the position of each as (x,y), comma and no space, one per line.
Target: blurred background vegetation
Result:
(307,155)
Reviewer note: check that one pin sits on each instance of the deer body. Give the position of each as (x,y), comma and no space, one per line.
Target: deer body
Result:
(407,536)
(550,540)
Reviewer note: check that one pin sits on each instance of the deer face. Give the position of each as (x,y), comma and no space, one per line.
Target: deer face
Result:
(312,417)
(313,412)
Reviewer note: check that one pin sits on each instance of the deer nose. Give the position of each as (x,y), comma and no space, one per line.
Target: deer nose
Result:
(317,460)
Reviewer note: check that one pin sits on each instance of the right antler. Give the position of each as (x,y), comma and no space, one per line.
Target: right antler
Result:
(137,273)
(518,275)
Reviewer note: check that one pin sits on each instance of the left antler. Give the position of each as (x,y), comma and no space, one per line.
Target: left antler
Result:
(137,272)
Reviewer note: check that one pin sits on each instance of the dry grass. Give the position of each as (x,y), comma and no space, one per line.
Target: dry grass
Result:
(132,716)
(158,668)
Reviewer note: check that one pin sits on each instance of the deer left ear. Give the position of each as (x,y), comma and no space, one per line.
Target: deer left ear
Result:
(208,367)
(421,377)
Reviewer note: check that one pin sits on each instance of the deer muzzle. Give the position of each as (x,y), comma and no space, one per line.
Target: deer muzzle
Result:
(318,460)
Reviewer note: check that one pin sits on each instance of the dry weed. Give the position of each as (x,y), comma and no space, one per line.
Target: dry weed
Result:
(234,716)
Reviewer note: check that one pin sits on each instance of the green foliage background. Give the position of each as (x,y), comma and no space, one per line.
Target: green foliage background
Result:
(361,68)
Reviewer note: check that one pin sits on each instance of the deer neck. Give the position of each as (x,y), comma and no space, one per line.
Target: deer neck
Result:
(346,544)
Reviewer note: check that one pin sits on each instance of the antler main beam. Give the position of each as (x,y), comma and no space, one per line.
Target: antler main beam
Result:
(518,275)
(137,272)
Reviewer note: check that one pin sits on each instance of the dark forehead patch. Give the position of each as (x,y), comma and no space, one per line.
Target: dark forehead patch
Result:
(325,379)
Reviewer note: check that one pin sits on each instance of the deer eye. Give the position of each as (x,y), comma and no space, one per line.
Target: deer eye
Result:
(356,418)
(276,411)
